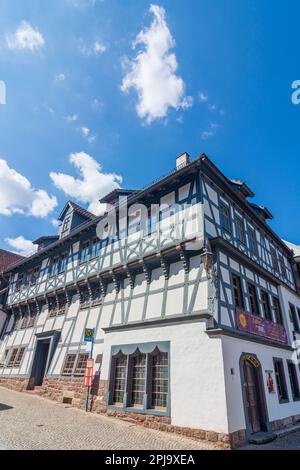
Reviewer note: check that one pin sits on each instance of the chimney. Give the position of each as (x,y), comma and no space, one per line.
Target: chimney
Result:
(182,161)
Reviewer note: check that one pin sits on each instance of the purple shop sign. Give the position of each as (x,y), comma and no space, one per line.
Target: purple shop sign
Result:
(260,327)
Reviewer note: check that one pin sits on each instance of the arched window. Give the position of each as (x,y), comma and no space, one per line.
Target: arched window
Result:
(119,385)
(159,379)
(137,378)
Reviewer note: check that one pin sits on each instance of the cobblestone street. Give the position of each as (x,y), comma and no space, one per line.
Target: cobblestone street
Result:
(31,422)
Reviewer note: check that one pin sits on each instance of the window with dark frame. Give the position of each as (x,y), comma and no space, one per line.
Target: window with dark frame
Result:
(282,266)
(81,364)
(277,310)
(69,364)
(159,380)
(293,317)
(54,266)
(280,380)
(66,224)
(52,306)
(252,241)
(95,248)
(2,364)
(12,357)
(293,380)
(254,307)
(19,357)
(240,229)
(225,218)
(274,259)
(85,251)
(63,262)
(265,301)
(120,373)
(138,379)
(237,291)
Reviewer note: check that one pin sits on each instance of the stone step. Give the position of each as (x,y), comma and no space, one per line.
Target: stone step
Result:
(261,438)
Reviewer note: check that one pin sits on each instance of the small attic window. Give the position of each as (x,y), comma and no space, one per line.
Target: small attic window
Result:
(66,225)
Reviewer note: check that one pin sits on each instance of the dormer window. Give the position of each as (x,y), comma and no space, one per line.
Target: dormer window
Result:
(240,229)
(66,225)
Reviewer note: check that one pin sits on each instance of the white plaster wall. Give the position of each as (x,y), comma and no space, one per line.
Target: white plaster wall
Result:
(232,350)
(2,320)
(287,297)
(196,371)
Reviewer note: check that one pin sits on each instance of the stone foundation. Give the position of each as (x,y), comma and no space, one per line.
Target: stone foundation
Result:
(285,422)
(71,390)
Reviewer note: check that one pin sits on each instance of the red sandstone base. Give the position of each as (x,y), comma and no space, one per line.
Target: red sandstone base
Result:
(70,390)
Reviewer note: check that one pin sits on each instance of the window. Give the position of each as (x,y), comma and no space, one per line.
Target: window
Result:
(293,317)
(265,301)
(81,364)
(96,293)
(225,217)
(25,319)
(282,266)
(237,291)
(84,296)
(85,252)
(66,224)
(33,314)
(34,275)
(252,241)
(159,380)
(120,372)
(280,380)
(63,262)
(95,247)
(62,302)
(253,299)
(277,311)
(138,379)
(293,380)
(240,229)
(52,306)
(274,259)
(19,357)
(12,357)
(69,364)
(54,266)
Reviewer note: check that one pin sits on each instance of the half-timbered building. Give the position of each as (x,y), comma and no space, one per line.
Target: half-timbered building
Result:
(194,307)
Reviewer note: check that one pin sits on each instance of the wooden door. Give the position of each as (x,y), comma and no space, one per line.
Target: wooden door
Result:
(253,407)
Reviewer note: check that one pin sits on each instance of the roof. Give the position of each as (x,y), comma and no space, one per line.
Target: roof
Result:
(200,162)
(80,210)
(241,186)
(262,210)
(293,247)
(7,259)
(46,238)
(115,193)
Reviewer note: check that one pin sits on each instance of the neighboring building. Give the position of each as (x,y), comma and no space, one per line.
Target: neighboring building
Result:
(194,332)
(6,259)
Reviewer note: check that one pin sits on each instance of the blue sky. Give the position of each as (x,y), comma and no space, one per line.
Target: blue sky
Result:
(78,93)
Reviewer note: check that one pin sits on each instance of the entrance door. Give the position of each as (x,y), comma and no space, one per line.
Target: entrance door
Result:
(41,359)
(252,394)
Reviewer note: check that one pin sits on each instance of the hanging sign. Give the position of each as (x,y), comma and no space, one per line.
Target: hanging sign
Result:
(260,327)
(89,335)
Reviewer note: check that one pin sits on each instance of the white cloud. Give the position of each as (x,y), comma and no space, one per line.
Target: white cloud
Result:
(96,48)
(17,196)
(55,223)
(97,104)
(152,73)
(60,77)
(210,132)
(92,184)
(21,246)
(81,3)
(202,97)
(87,134)
(72,117)
(25,37)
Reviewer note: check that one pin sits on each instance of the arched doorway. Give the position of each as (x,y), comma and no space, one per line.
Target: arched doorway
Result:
(253,394)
